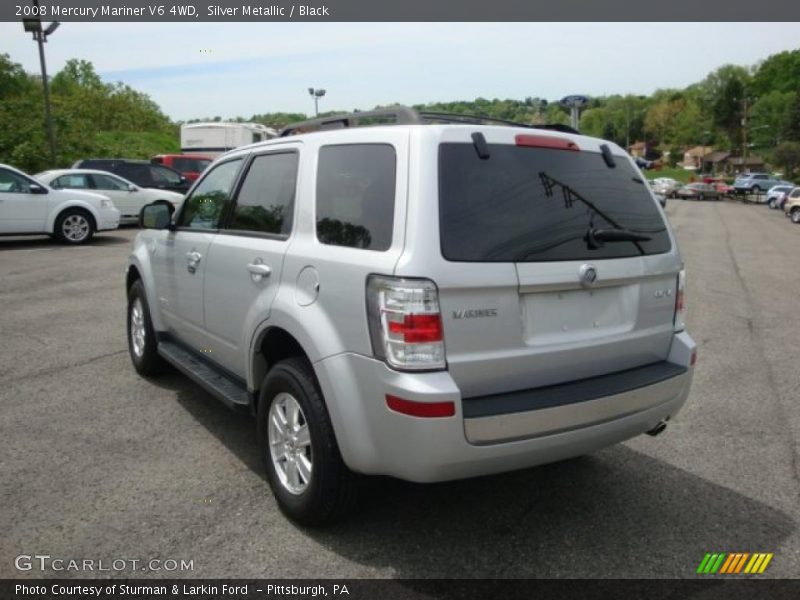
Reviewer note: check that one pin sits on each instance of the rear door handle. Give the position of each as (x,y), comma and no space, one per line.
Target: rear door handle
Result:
(193,258)
(258,270)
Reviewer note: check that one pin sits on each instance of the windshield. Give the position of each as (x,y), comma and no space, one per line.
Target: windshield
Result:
(537,204)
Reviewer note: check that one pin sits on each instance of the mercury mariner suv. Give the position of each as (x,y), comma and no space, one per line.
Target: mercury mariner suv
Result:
(417,295)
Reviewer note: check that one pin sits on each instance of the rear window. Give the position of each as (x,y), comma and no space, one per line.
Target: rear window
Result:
(533,204)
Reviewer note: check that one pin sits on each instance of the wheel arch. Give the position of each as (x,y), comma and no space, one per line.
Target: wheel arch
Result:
(59,210)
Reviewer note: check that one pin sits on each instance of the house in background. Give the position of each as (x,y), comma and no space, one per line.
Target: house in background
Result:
(715,162)
(737,164)
(638,150)
(693,157)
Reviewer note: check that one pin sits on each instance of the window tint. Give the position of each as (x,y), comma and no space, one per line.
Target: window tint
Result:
(139,174)
(266,199)
(162,175)
(106,182)
(534,204)
(13,183)
(188,165)
(74,182)
(202,210)
(355,195)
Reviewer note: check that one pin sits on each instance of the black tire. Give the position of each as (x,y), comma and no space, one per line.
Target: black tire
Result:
(795,215)
(147,362)
(701,197)
(74,226)
(755,190)
(333,488)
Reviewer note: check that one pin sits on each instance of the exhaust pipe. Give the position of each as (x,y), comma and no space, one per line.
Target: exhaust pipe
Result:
(658,428)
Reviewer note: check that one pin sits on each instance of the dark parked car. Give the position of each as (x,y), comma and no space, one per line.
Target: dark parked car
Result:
(140,172)
(698,191)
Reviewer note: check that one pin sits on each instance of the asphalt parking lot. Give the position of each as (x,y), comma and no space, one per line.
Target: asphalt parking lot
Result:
(98,463)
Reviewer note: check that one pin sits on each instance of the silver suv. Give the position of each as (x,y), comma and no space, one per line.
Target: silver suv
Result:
(430,299)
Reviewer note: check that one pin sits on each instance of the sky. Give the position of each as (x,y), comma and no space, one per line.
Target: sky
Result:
(196,70)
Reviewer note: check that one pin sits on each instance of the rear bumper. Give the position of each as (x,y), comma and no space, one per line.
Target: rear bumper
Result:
(377,441)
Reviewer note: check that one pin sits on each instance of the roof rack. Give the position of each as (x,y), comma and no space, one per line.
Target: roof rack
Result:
(403,115)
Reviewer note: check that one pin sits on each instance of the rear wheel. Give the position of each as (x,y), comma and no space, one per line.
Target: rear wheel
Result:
(305,470)
(795,215)
(74,226)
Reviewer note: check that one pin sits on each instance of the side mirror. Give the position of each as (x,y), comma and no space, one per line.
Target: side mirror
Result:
(156,216)
(133,188)
(35,188)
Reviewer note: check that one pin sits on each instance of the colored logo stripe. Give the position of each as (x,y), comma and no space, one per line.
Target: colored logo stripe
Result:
(734,562)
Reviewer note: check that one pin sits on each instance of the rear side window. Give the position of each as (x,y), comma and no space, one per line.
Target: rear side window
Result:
(266,198)
(527,204)
(74,181)
(355,195)
(106,182)
(203,209)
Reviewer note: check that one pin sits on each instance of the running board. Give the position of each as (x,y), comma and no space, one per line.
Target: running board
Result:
(220,385)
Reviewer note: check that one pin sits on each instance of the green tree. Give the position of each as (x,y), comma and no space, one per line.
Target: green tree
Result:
(778,73)
(787,155)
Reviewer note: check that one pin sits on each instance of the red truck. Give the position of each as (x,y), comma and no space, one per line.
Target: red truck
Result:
(189,165)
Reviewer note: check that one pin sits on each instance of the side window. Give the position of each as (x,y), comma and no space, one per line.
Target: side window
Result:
(13,183)
(161,175)
(796,194)
(266,199)
(355,195)
(106,182)
(202,210)
(72,182)
(138,174)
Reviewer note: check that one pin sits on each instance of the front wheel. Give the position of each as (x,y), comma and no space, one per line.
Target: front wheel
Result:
(74,226)
(308,477)
(795,215)
(142,343)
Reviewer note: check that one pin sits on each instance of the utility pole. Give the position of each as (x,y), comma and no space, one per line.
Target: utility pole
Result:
(744,135)
(34,26)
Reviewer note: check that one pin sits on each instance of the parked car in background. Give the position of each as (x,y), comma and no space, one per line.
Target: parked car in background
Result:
(721,185)
(214,138)
(666,186)
(776,195)
(30,207)
(141,172)
(698,191)
(128,197)
(662,199)
(188,165)
(755,183)
(791,205)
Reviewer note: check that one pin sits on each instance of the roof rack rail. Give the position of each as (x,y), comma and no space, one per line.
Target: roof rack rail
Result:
(403,115)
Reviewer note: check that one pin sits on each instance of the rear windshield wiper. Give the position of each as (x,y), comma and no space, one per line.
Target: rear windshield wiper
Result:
(595,237)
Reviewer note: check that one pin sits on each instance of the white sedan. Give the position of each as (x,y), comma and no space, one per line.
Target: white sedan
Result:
(128,197)
(30,207)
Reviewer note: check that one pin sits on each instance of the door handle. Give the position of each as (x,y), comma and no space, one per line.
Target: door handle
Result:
(258,270)
(193,258)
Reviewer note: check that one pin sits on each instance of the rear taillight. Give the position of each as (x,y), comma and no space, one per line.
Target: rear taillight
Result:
(405,325)
(680,302)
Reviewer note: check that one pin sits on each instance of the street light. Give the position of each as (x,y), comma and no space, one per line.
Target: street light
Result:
(316,94)
(34,27)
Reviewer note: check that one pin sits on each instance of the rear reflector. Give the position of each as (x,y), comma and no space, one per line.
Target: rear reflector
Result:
(545,141)
(421,409)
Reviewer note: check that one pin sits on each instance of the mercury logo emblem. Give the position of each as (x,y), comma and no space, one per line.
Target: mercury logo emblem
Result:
(588,275)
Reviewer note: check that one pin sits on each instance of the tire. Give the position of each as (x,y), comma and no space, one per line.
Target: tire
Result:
(290,450)
(142,343)
(701,197)
(771,203)
(74,226)
(755,190)
(795,215)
